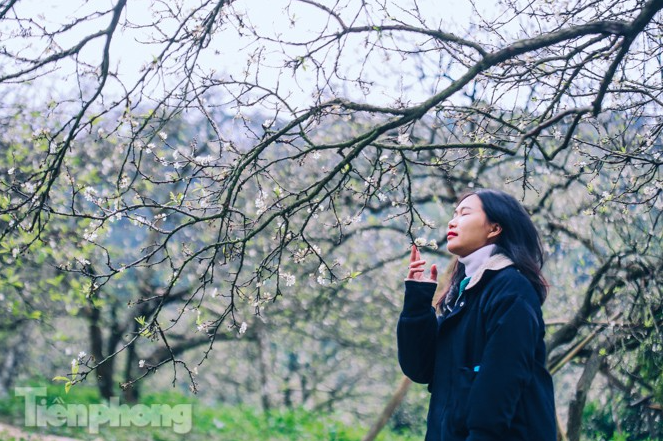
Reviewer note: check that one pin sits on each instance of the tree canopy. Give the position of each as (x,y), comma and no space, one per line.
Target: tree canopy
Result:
(211,162)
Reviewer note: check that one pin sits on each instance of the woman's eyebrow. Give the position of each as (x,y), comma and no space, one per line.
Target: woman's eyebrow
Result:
(461,209)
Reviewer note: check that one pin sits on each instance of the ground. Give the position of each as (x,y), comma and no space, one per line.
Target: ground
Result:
(11,433)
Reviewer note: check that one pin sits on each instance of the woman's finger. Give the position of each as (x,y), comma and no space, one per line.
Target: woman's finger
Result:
(433,272)
(413,253)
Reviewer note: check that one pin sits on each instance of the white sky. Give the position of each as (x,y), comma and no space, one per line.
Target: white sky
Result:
(129,56)
(393,80)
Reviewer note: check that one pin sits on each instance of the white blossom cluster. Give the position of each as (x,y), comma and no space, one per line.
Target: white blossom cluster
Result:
(260,203)
(124,181)
(139,220)
(322,271)
(92,231)
(315,211)
(89,194)
(351,220)
(300,255)
(29,187)
(421,242)
(288,278)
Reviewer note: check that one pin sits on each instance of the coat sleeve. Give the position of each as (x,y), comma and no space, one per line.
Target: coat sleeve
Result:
(416,332)
(512,331)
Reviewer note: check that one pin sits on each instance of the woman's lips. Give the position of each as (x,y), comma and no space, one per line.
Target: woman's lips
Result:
(451,234)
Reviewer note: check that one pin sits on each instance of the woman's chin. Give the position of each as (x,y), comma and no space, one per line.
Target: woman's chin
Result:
(454,250)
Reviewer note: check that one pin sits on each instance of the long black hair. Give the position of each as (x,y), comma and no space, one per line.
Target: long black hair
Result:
(519,239)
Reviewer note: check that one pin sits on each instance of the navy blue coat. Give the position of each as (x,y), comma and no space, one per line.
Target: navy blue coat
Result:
(484,361)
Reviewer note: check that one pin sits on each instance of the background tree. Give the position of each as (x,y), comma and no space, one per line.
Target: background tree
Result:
(318,145)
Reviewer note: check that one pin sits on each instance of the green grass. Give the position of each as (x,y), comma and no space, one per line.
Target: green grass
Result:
(218,422)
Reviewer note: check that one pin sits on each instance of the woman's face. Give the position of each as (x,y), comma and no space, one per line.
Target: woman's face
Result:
(469,229)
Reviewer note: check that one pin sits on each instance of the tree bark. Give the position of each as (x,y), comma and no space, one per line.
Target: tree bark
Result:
(105,370)
(577,404)
(389,409)
(561,434)
(14,355)
(263,360)
(131,393)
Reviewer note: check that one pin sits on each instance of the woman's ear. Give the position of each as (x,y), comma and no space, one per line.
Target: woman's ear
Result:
(495,231)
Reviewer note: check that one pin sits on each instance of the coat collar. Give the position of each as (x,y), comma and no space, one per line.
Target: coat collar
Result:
(496,262)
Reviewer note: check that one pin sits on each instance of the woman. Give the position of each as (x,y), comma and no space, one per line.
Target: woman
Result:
(481,349)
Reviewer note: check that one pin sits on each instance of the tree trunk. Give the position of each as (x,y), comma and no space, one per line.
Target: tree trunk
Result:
(13,357)
(263,361)
(105,370)
(132,392)
(389,409)
(577,404)
(561,434)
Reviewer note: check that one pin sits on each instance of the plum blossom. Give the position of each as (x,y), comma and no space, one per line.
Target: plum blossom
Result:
(89,194)
(139,220)
(124,182)
(203,160)
(321,275)
(92,231)
(29,187)
(82,261)
(260,203)
(289,279)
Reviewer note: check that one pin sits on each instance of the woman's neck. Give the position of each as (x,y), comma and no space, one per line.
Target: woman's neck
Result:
(475,259)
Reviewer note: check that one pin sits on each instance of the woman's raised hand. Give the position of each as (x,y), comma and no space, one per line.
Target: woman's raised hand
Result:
(417,268)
